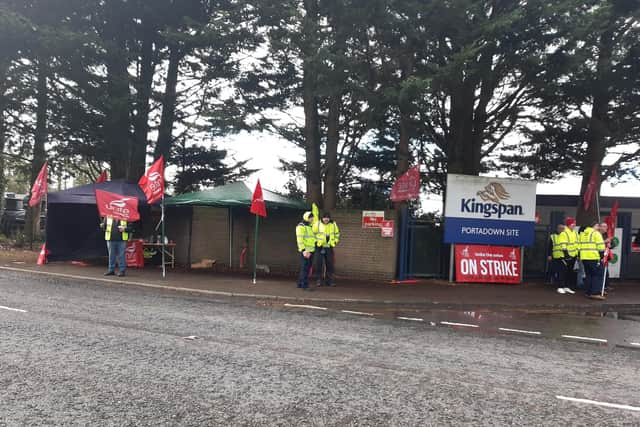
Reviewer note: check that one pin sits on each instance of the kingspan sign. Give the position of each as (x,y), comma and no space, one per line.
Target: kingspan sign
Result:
(490,211)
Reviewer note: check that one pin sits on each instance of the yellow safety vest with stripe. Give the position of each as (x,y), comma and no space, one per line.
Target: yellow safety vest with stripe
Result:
(306,237)
(328,235)
(109,227)
(556,250)
(591,244)
(568,241)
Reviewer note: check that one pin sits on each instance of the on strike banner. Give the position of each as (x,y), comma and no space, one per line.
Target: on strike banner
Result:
(487,264)
(117,206)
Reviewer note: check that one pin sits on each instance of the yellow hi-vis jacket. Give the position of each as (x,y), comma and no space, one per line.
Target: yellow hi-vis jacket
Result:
(556,250)
(109,227)
(591,244)
(306,237)
(568,241)
(327,235)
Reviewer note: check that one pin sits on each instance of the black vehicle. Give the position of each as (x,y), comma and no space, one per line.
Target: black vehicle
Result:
(13,214)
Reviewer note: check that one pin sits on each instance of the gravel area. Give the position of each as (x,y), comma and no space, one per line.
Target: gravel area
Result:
(86,354)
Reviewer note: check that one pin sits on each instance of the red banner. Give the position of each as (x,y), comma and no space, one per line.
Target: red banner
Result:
(134,253)
(117,206)
(39,188)
(102,178)
(407,187)
(487,264)
(592,188)
(257,202)
(152,182)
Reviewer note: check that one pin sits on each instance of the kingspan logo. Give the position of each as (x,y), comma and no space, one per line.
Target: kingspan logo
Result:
(493,196)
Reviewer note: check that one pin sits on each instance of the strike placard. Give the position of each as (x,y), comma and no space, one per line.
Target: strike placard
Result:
(487,264)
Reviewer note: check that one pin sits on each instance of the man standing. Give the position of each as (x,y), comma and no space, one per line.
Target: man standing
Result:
(568,245)
(116,233)
(591,251)
(555,258)
(328,236)
(306,247)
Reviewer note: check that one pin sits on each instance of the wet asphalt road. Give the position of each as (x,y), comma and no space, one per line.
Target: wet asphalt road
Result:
(82,354)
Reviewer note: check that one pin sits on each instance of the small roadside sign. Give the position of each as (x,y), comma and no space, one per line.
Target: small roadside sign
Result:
(386,229)
(372,219)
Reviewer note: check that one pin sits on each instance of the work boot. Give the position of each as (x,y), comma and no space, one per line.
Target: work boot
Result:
(109,273)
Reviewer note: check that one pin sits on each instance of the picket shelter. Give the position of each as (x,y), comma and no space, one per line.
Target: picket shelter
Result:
(207,223)
(73,231)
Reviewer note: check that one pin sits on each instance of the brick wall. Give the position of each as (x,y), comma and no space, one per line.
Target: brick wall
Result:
(361,254)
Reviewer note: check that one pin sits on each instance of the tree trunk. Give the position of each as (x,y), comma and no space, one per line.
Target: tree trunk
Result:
(331,161)
(144,87)
(32,217)
(598,130)
(117,121)
(460,151)
(165,132)
(311,122)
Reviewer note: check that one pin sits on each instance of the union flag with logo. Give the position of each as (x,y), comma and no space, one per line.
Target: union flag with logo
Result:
(152,182)
(407,187)
(117,206)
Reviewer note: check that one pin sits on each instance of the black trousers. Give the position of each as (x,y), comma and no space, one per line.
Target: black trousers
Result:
(305,267)
(570,276)
(324,265)
(558,272)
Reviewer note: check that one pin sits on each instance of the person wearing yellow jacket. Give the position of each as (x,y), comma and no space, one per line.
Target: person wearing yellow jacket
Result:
(327,237)
(555,258)
(568,248)
(116,234)
(306,240)
(592,248)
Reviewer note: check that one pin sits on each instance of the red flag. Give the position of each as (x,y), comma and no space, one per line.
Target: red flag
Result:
(152,182)
(592,188)
(117,206)
(407,187)
(39,188)
(611,220)
(257,202)
(102,178)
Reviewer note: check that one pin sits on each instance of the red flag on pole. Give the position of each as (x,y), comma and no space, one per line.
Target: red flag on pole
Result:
(611,220)
(117,206)
(103,177)
(39,188)
(592,188)
(407,187)
(611,229)
(258,206)
(152,182)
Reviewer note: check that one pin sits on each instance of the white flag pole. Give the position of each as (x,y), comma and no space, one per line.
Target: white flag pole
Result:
(164,267)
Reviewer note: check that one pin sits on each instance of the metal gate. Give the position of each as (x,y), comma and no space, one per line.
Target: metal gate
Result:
(425,249)
(428,256)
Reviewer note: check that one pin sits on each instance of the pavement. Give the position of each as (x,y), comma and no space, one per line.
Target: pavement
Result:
(424,294)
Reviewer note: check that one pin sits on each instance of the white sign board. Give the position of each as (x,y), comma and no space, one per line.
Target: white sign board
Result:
(616,249)
(490,211)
